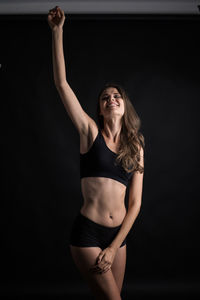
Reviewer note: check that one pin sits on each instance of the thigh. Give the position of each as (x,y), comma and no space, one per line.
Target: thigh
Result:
(119,265)
(102,285)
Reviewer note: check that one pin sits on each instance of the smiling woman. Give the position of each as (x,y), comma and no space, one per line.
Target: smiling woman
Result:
(131,141)
(111,157)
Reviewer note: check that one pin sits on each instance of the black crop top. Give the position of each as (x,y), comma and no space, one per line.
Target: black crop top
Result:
(99,162)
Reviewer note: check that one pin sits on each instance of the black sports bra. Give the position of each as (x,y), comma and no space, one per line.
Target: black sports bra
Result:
(99,161)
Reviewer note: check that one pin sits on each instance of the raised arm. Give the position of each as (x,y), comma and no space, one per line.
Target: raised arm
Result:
(79,117)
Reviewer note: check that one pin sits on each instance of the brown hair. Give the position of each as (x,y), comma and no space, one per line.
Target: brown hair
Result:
(131,139)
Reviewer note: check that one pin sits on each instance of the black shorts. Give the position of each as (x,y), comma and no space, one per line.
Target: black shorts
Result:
(87,233)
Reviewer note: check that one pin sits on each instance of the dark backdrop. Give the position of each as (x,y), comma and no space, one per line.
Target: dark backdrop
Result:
(157,62)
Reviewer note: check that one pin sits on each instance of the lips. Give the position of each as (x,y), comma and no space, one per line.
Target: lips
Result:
(110,105)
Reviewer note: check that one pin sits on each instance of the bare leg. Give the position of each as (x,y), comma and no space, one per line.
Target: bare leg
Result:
(118,266)
(103,286)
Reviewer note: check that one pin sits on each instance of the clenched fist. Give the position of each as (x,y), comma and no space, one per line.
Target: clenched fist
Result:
(56,18)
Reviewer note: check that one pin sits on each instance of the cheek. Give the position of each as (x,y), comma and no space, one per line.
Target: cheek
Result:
(122,105)
(102,105)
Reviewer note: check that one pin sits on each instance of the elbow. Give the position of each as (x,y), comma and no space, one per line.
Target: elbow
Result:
(60,85)
(135,205)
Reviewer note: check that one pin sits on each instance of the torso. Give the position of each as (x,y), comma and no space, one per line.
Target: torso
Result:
(103,197)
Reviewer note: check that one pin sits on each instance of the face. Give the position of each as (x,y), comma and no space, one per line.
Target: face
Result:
(111,103)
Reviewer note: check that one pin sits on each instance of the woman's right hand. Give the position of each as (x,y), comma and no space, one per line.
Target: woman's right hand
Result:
(56,18)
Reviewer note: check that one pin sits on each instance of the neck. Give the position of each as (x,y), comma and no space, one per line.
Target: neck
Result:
(112,128)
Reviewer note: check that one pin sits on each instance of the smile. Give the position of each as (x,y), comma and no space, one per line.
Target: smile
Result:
(112,105)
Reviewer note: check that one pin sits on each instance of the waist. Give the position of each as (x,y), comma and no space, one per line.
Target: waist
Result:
(108,218)
(97,188)
(103,200)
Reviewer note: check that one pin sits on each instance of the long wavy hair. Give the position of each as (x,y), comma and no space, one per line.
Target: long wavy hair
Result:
(131,139)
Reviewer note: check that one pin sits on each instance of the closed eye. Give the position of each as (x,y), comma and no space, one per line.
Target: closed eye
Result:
(106,97)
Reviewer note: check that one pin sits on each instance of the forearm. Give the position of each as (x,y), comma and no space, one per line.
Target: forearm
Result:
(59,71)
(127,224)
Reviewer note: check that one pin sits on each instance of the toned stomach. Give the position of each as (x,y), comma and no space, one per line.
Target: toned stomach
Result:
(103,200)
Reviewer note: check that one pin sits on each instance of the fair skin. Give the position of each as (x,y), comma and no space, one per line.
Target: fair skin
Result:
(103,197)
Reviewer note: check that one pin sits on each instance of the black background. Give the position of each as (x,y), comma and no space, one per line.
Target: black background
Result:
(156,59)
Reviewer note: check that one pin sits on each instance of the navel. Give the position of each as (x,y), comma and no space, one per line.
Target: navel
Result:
(111,216)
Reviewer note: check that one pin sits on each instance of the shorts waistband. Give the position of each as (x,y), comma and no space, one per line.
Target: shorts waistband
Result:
(80,215)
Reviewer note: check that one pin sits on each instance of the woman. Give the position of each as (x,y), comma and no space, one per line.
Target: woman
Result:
(111,156)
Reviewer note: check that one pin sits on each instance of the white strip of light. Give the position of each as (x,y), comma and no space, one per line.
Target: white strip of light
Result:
(102,7)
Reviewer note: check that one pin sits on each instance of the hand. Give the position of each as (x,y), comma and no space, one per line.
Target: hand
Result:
(104,261)
(56,18)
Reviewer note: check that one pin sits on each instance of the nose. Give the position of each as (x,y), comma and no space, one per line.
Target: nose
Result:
(111,98)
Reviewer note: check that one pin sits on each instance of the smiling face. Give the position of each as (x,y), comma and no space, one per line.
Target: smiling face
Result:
(111,103)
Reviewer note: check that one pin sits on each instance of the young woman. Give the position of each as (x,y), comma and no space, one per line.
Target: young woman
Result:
(111,156)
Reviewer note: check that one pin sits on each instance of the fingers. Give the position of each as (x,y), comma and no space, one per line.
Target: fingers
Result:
(100,257)
(106,269)
(101,268)
(58,10)
(58,14)
(56,17)
(53,9)
(53,12)
(100,271)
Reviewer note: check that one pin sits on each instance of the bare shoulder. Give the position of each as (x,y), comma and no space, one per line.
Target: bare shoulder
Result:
(87,138)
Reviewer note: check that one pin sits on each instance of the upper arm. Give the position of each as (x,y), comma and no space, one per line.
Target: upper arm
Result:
(79,117)
(136,184)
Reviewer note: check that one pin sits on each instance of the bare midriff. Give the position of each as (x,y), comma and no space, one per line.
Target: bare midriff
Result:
(103,200)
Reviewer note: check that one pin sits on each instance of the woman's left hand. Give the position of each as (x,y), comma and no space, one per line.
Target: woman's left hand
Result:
(104,260)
